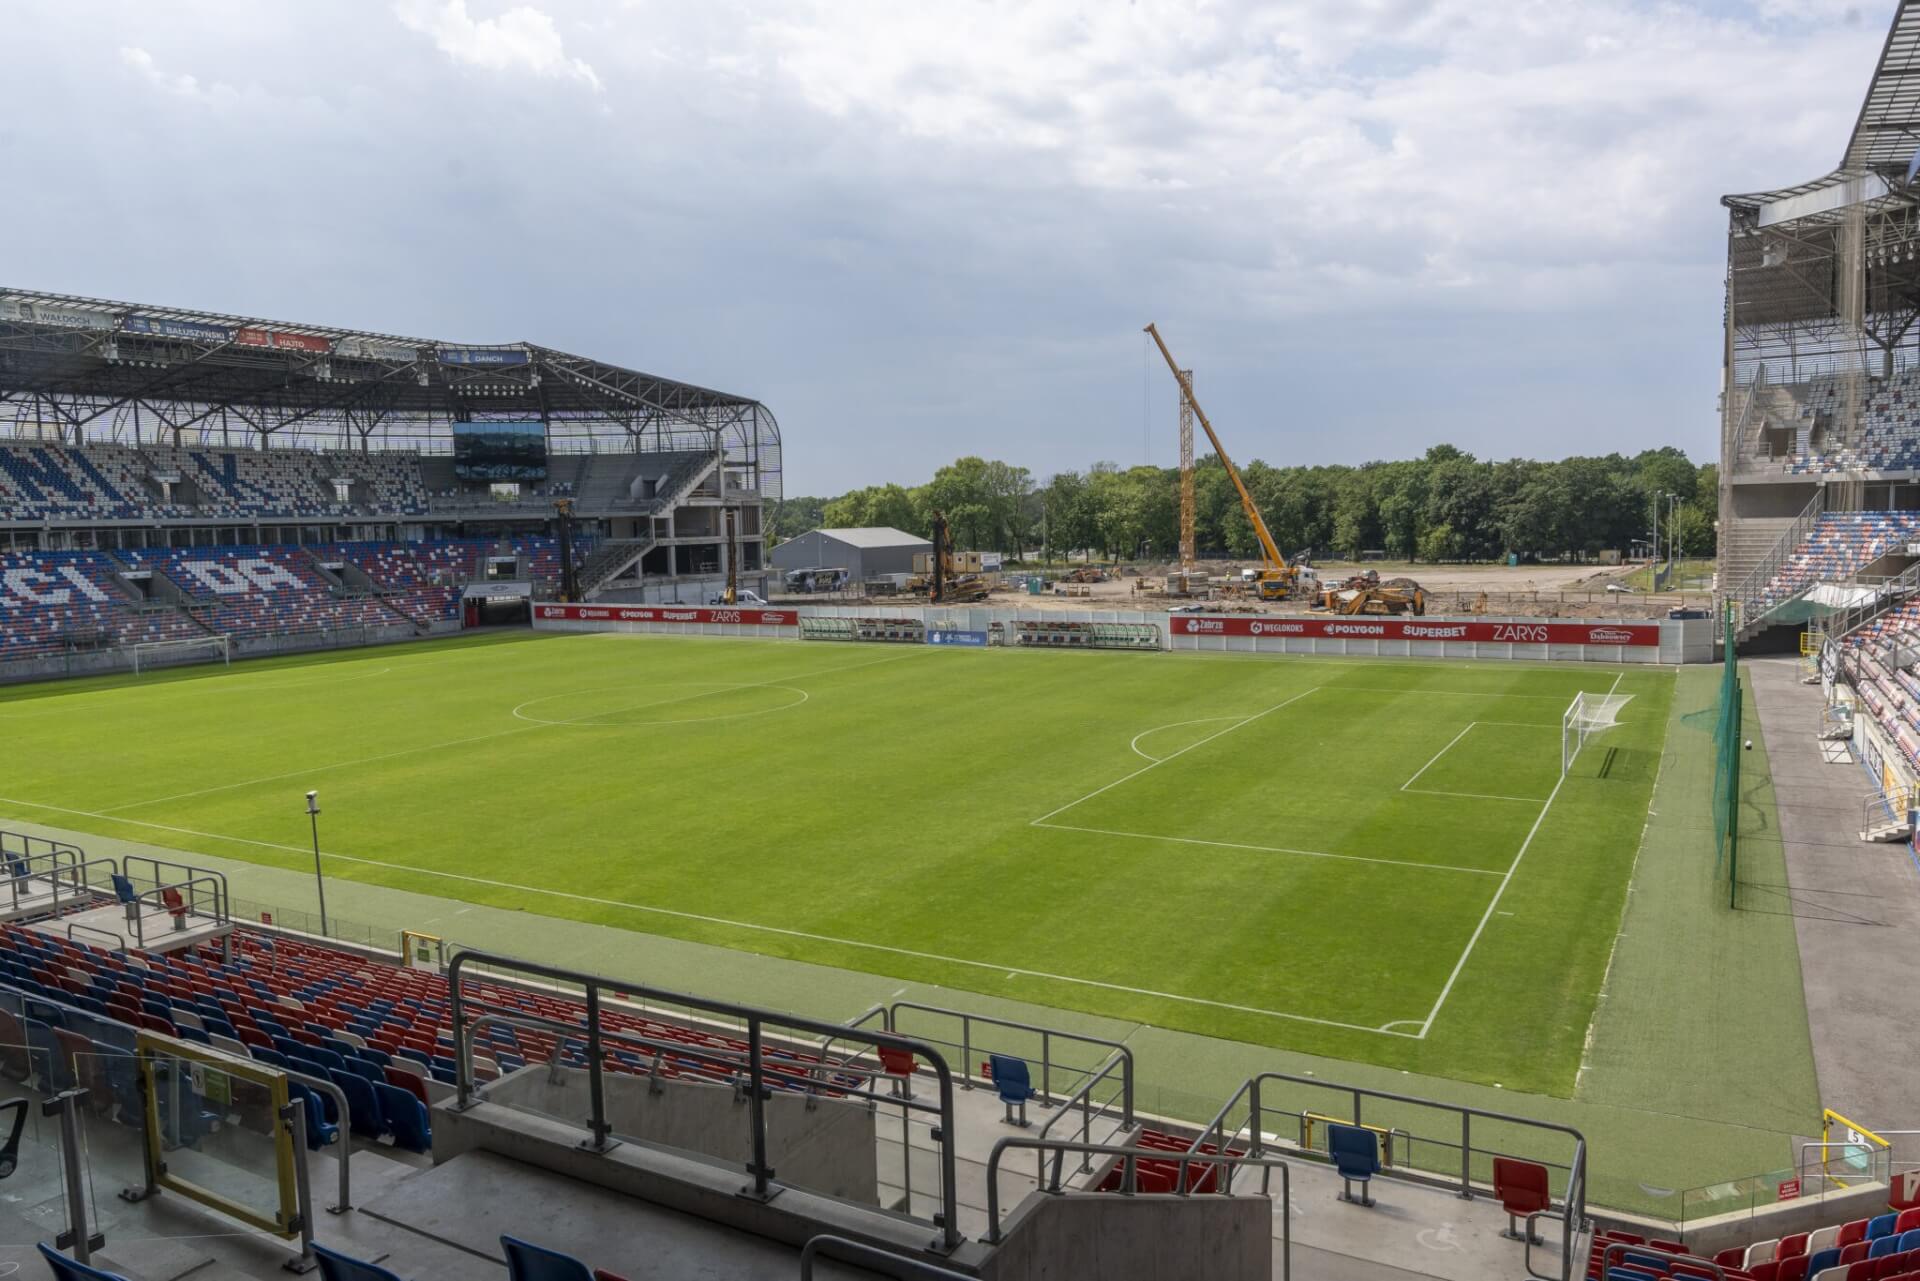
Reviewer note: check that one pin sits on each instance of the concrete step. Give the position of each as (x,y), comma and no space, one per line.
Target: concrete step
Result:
(1888,832)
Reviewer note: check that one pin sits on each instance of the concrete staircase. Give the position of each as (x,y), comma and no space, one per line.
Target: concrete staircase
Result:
(611,559)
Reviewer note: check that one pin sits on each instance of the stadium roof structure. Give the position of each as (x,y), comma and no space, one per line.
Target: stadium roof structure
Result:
(77,368)
(866,536)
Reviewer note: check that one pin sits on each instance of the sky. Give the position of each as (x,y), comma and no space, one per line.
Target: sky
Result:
(921,230)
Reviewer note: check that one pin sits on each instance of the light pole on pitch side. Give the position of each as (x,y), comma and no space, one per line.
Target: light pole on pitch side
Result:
(319,882)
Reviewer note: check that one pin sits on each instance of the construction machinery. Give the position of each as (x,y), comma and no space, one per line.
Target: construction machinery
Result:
(1367,594)
(945,581)
(1277,578)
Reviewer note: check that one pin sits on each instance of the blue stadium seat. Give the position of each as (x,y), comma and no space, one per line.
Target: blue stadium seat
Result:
(1013,1084)
(528,1262)
(1881,1225)
(320,1132)
(363,1105)
(65,1269)
(405,1117)
(335,1266)
(1885,1245)
(1356,1155)
(1822,1260)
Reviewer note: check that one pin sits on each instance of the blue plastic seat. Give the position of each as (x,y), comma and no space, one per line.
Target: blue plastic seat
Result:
(1910,1240)
(1356,1155)
(65,1269)
(1881,1225)
(529,1262)
(1821,1261)
(1885,1245)
(1013,1084)
(405,1117)
(363,1105)
(123,889)
(320,1132)
(335,1266)
(360,1067)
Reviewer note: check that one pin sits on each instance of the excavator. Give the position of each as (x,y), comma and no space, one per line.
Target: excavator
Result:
(947,584)
(1366,594)
(1278,578)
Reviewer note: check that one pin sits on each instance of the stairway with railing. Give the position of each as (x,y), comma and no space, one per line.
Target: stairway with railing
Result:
(612,558)
(1750,594)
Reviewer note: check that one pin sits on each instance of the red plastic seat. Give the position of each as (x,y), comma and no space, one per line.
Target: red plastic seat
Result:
(1523,1189)
(1791,1269)
(1790,1246)
(1736,1256)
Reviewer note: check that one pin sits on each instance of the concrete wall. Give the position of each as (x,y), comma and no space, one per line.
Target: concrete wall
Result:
(821,1144)
(1137,1238)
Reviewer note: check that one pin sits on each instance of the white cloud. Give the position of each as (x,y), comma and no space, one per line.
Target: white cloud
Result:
(520,39)
(179,85)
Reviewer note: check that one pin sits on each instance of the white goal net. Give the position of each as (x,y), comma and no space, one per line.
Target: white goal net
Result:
(1586,716)
(151,655)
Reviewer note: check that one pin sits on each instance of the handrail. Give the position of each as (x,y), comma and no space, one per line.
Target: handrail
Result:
(1250,1090)
(846,1250)
(119,940)
(157,894)
(1084,1097)
(191,873)
(1130,1156)
(756,1020)
(71,874)
(346,1132)
(1046,1035)
(1748,593)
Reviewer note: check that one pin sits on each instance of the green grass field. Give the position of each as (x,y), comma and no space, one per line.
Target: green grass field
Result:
(1364,859)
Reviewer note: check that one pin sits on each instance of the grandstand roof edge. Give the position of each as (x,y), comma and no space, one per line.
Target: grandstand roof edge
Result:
(1887,130)
(81,302)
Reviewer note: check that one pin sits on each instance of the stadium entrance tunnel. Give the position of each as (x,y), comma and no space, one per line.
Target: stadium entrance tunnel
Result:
(498,605)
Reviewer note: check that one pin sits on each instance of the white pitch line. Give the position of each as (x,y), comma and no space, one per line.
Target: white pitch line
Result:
(723,921)
(1198,742)
(1270,849)
(1437,755)
(1472,796)
(1448,693)
(1202,720)
(1505,881)
(456,742)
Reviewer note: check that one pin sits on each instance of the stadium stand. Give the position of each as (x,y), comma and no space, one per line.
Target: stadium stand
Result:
(1839,546)
(252,591)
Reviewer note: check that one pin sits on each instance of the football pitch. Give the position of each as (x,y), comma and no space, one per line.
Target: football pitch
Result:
(1361,858)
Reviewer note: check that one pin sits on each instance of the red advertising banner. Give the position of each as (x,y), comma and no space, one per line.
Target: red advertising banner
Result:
(667,614)
(273,338)
(1789,1190)
(1421,629)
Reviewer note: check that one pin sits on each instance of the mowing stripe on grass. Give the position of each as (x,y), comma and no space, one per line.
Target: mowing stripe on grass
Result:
(1384,1030)
(1200,742)
(1505,881)
(456,742)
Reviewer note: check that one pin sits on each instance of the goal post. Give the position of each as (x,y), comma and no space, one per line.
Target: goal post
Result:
(150,655)
(1586,716)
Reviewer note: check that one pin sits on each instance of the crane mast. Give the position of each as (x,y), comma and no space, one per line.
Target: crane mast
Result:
(1276,580)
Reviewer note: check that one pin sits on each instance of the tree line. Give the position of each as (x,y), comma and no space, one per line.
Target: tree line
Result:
(1445,506)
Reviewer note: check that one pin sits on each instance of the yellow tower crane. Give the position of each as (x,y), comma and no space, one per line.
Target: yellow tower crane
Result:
(1278,578)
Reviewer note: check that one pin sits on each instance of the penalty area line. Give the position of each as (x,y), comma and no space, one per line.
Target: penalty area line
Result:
(1272,849)
(1505,881)
(782,931)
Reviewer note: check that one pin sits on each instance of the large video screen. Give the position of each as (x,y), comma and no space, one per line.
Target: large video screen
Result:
(499,451)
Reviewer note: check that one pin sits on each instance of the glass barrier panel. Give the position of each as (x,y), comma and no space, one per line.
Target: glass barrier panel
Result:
(214,1132)
(33,1185)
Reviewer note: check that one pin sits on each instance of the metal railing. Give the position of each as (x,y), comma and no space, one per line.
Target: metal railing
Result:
(339,1097)
(203,895)
(968,1044)
(870,1257)
(1129,1158)
(32,877)
(759,1067)
(1082,1099)
(1750,588)
(1253,1092)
